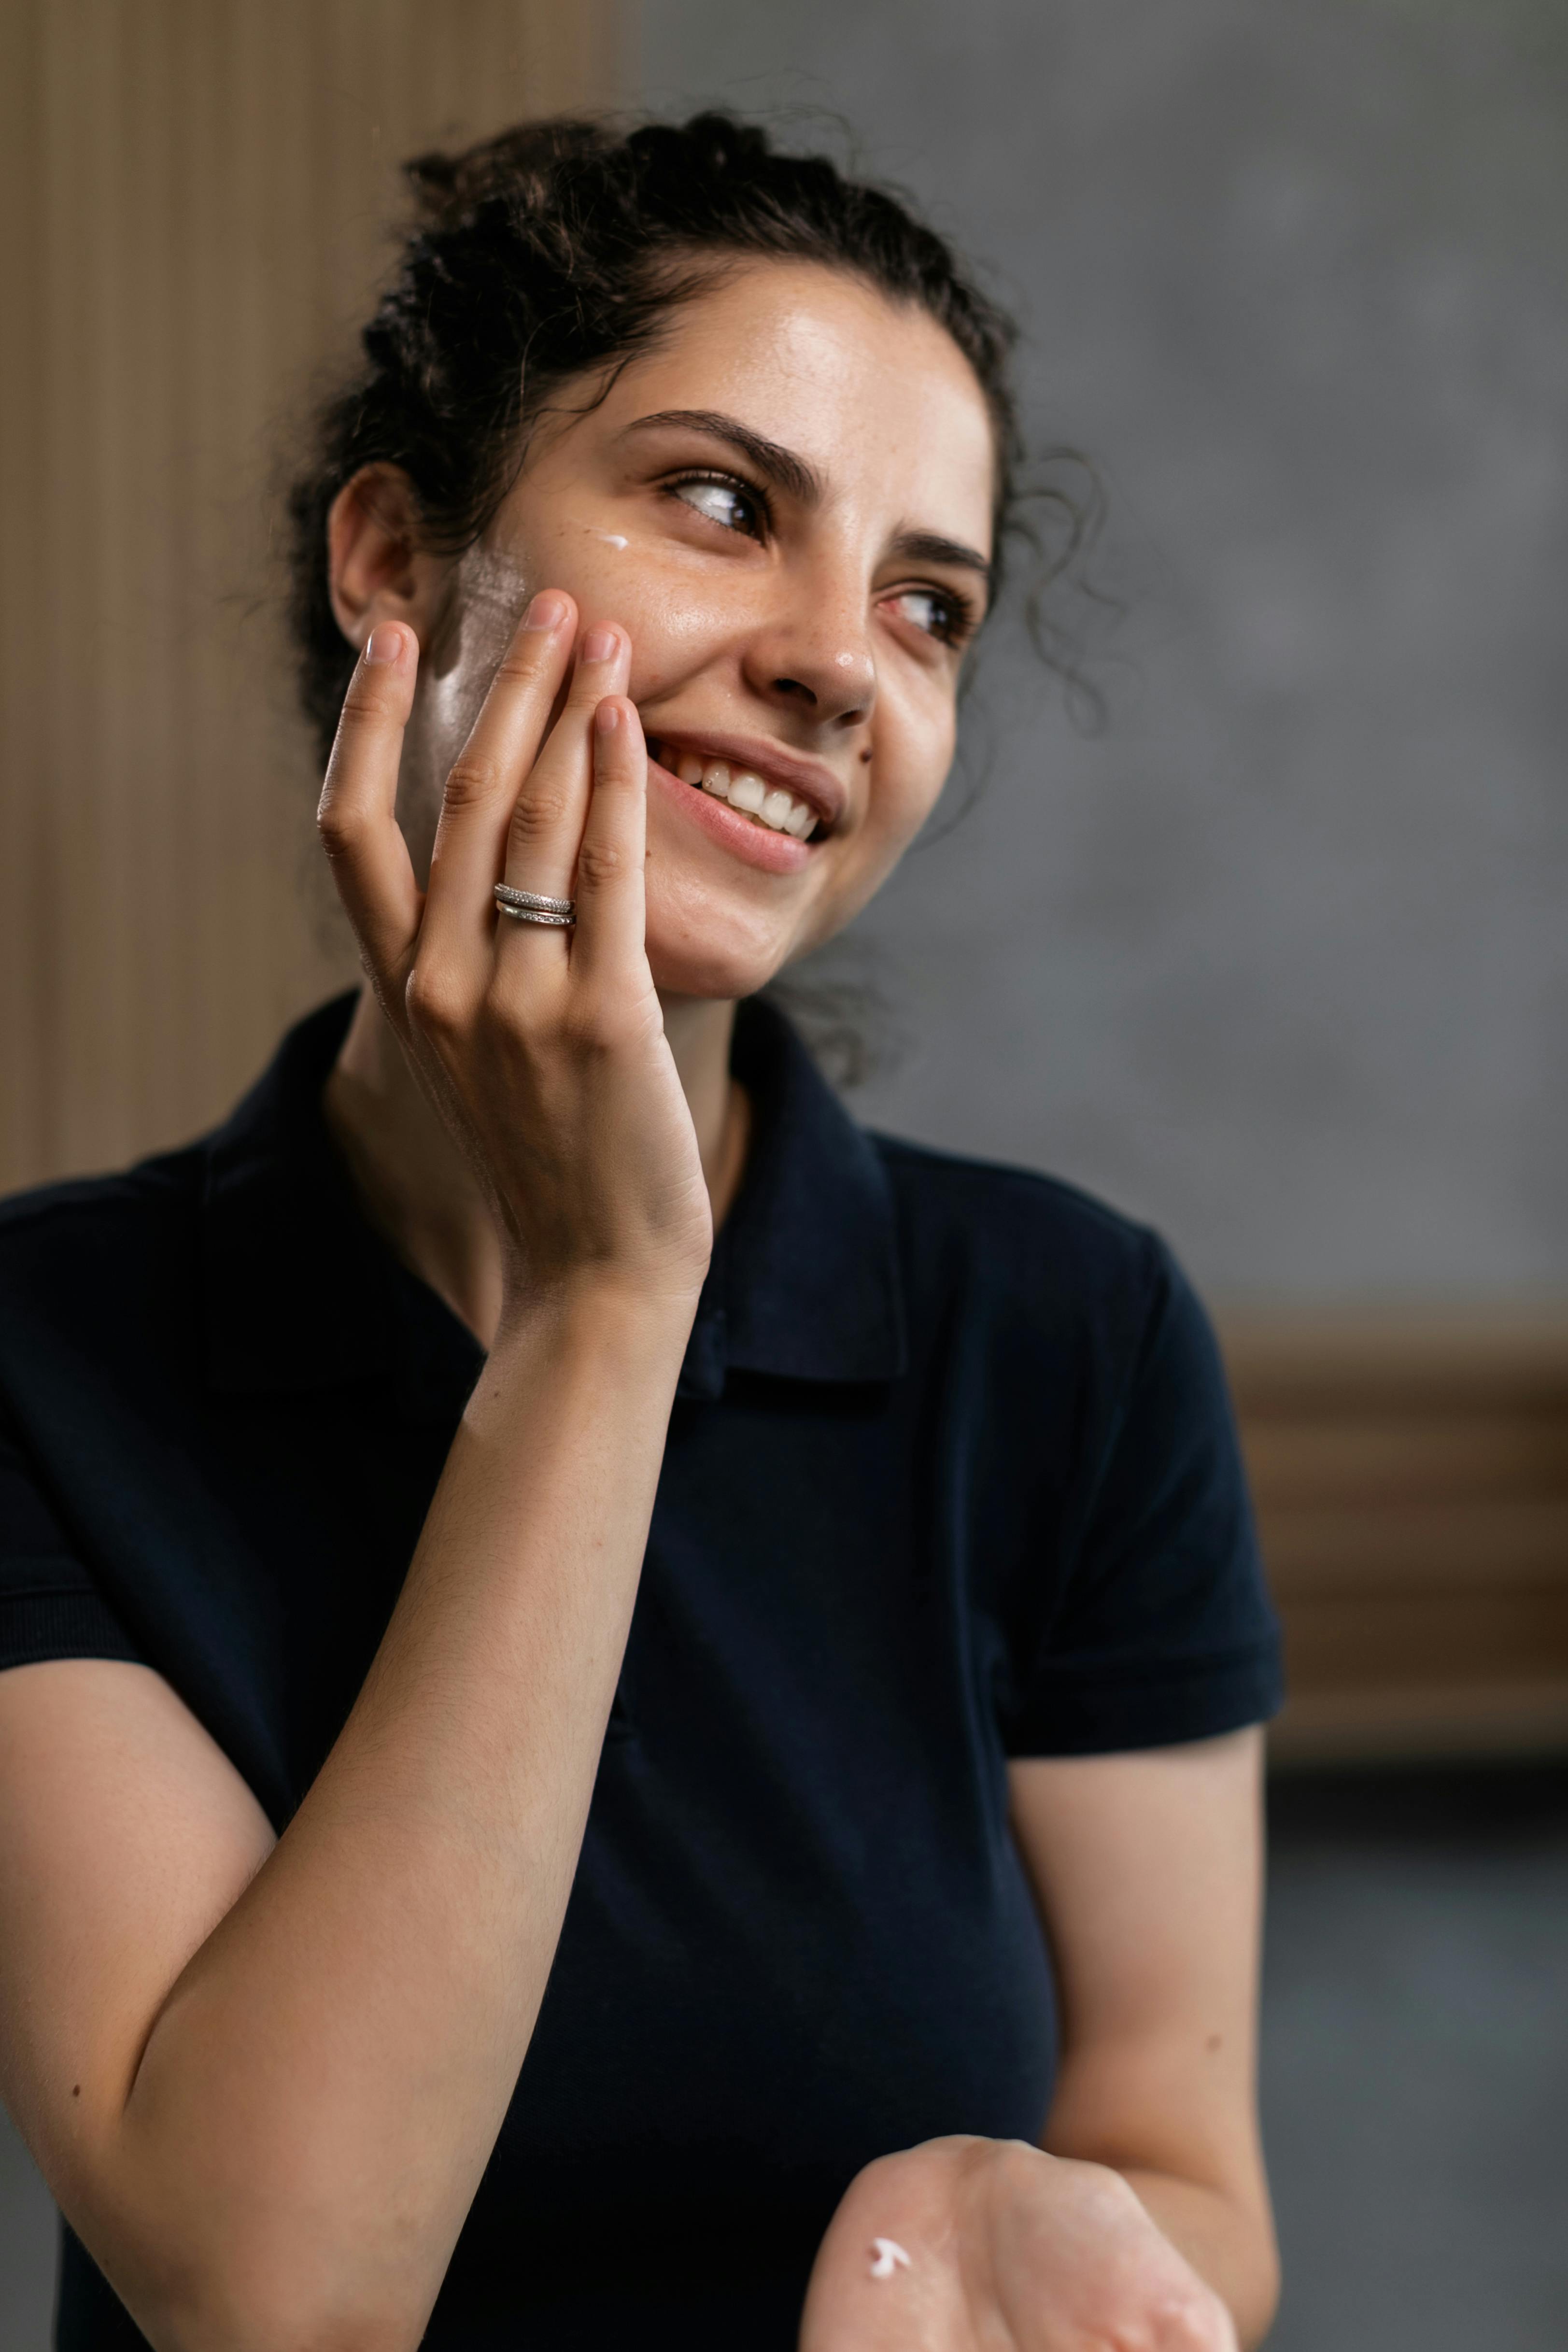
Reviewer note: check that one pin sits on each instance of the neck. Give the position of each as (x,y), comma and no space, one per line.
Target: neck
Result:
(418,1190)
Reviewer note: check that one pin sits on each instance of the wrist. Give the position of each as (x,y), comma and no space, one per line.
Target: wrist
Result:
(594,1316)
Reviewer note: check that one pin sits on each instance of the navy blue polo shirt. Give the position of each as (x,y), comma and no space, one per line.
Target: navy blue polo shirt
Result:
(951,1477)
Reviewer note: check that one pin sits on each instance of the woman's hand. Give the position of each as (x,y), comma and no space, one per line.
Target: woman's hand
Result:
(1009,2249)
(543,1049)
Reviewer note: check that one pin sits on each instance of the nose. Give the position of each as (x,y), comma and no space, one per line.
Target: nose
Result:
(815,661)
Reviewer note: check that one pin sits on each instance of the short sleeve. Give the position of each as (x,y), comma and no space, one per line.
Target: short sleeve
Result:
(49,1605)
(1163,1630)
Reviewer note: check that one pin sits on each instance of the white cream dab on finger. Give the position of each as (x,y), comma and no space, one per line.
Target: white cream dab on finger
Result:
(887,2256)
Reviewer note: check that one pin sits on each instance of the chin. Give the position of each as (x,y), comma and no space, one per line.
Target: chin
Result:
(691,971)
(698,946)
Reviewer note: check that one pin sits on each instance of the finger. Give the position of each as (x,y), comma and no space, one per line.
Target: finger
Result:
(358,810)
(610,942)
(501,748)
(549,813)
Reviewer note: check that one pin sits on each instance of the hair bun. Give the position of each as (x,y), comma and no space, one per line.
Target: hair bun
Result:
(712,140)
(521,162)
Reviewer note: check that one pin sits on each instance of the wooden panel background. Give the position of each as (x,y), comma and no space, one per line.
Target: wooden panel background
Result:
(1411,1479)
(193,195)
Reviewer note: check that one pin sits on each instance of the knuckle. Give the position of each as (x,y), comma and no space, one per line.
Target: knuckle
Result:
(339,830)
(1014,2163)
(1109,2197)
(1183,2322)
(1141,2334)
(1176,2329)
(536,814)
(599,862)
(469,783)
(432,1002)
(1196,2325)
(363,700)
(595,1028)
(524,661)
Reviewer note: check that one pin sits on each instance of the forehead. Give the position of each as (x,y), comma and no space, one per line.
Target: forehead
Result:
(873,394)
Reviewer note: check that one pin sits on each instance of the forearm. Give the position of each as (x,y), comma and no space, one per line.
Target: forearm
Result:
(321,2092)
(1230,2245)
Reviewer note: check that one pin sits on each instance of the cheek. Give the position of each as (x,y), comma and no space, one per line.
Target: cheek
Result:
(679,627)
(913,743)
(672,619)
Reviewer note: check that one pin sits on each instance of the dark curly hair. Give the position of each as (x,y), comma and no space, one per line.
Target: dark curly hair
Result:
(563,245)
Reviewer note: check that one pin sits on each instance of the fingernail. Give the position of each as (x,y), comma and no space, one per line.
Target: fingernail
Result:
(607,718)
(547,612)
(383,644)
(599,644)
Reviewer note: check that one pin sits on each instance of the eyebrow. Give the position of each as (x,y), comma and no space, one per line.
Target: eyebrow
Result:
(930,547)
(778,464)
(802,482)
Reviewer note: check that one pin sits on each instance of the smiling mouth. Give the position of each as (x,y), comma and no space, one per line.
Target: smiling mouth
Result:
(768,805)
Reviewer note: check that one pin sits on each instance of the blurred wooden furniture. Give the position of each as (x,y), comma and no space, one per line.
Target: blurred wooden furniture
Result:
(1411,1480)
(195,195)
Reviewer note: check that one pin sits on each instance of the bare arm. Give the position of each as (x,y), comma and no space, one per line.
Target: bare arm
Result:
(264,2080)
(1148,1870)
(1144,2218)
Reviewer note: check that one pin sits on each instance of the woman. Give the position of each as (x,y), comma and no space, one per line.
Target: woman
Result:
(538,1745)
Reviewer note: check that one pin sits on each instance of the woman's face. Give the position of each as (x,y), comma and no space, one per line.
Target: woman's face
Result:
(787,504)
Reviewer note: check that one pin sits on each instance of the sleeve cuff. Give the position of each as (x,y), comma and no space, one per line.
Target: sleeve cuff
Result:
(1089,1718)
(38,1626)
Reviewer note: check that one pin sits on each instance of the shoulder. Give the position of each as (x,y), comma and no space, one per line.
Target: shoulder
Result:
(128,1228)
(91,1246)
(1030,1244)
(81,1209)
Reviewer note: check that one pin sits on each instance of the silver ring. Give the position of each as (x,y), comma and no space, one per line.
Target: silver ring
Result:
(531,902)
(546,922)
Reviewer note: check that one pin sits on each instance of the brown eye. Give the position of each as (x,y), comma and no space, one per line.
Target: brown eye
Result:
(723,502)
(941,616)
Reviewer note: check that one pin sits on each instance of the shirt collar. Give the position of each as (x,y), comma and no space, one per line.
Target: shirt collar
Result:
(805,1277)
(302,1293)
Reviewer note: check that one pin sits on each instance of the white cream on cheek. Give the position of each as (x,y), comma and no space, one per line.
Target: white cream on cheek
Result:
(489,592)
(484,601)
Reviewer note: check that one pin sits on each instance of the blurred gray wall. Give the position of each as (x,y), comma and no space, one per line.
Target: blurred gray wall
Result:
(1279,960)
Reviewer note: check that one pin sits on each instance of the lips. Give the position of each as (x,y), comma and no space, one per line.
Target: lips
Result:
(759,769)
(773,806)
(744,836)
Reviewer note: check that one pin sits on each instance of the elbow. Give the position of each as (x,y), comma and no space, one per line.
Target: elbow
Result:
(264,2301)
(284,2325)
(242,2255)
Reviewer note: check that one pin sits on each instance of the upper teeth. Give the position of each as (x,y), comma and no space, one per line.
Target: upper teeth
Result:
(770,804)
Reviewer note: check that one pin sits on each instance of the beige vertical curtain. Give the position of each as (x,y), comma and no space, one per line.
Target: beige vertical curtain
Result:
(192,202)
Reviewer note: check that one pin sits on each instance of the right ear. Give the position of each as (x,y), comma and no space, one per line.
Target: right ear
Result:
(376,569)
